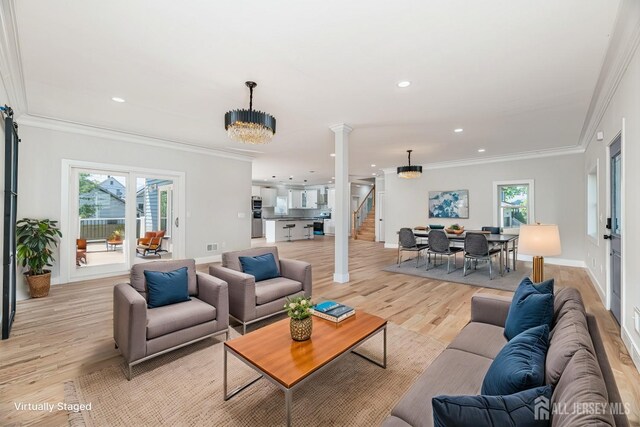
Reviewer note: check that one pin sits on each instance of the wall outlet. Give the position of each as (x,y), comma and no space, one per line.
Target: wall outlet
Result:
(212,247)
(636,319)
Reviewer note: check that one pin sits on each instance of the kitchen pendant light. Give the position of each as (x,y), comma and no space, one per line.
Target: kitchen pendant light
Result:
(410,171)
(249,126)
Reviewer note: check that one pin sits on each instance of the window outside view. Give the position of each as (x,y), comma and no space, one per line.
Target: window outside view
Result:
(514,205)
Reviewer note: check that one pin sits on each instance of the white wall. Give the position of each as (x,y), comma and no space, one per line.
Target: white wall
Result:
(559,196)
(625,104)
(217,188)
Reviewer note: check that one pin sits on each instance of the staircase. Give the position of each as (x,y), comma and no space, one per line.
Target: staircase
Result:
(367,230)
(364,219)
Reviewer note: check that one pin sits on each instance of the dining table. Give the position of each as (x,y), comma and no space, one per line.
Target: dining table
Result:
(503,240)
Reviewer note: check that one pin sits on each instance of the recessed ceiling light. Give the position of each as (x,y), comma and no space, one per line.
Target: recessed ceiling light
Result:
(332,154)
(458,130)
(374,174)
(290,176)
(117,99)
(404,83)
(481,150)
(373,165)
(333,177)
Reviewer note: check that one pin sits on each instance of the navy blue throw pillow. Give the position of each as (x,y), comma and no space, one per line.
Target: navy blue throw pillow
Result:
(519,365)
(167,288)
(523,409)
(262,267)
(532,305)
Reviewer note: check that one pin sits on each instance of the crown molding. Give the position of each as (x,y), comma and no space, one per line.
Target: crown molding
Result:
(624,42)
(11,73)
(553,152)
(99,132)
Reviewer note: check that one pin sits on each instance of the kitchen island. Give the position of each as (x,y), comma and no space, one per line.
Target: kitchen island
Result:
(275,231)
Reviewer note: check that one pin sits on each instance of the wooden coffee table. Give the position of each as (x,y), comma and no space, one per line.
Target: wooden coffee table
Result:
(288,363)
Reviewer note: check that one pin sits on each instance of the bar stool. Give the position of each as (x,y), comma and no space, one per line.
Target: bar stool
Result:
(288,227)
(309,228)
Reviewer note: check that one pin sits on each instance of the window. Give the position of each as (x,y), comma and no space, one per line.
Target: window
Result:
(592,203)
(513,205)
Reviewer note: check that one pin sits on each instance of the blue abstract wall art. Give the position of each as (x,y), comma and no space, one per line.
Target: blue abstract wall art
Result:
(449,204)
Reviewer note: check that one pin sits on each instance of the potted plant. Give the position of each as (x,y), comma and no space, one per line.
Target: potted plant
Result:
(298,309)
(116,235)
(35,239)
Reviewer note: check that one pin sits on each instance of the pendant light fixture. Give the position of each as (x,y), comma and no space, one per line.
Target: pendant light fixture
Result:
(410,171)
(249,126)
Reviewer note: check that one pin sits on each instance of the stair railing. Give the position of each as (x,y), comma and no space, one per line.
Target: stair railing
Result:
(360,214)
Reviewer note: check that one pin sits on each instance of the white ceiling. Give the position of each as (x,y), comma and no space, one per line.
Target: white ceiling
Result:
(517,75)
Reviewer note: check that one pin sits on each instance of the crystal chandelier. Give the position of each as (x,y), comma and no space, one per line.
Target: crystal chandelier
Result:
(410,171)
(249,126)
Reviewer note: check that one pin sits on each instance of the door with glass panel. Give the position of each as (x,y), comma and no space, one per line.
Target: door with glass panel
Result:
(98,220)
(614,224)
(118,218)
(156,222)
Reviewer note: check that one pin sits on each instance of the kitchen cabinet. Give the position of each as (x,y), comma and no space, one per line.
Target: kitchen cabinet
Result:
(329,226)
(311,199)
(295,199)
(303,199)
(268,197)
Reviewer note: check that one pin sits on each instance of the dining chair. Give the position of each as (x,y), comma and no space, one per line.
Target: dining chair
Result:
(439,244)
(407,242)
(476,248)
(491,229)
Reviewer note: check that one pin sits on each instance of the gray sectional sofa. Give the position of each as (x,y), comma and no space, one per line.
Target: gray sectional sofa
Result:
(576,365)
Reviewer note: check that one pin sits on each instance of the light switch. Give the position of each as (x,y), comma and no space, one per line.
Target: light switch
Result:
(242,215)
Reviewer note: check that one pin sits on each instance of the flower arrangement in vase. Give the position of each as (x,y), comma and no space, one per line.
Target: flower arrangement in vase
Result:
(298,309)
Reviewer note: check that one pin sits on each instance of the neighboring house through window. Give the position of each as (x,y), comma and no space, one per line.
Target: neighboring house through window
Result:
(513,204)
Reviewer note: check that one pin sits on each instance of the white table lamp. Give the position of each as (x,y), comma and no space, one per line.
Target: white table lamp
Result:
(539,240)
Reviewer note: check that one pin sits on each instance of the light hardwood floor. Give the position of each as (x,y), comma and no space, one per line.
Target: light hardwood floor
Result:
(69,333)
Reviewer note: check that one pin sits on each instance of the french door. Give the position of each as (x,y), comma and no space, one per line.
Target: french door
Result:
(108,213)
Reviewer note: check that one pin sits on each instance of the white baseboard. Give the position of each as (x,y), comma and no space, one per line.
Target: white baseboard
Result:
(390,245)
(341,278)
(92,276)
(209,259)
(633,349)
(556,261)
(597,287)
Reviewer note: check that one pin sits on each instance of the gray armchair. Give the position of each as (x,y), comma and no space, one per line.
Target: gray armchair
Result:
(251,301)
(142,333)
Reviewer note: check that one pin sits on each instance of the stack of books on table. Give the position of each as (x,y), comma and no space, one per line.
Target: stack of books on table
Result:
(333,311)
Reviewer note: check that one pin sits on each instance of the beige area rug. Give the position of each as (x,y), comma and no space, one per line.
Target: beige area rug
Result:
(184,388)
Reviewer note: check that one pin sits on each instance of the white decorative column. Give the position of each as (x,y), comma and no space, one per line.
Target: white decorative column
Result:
(341,212)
